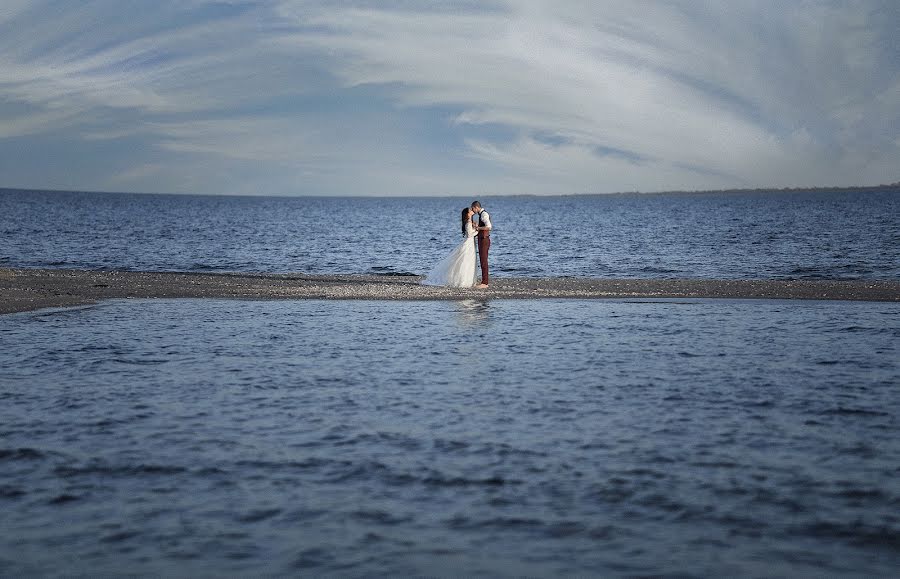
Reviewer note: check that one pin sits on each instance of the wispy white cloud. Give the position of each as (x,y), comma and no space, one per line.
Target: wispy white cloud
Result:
(18,123)
(739,91)
(531,95)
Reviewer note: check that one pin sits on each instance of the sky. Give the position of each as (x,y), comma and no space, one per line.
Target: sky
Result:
(396,97)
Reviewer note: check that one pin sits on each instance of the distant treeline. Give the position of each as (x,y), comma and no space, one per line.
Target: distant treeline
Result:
(861,188)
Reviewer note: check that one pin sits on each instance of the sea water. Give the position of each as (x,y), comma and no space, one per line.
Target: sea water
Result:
(765,235)
(686,438)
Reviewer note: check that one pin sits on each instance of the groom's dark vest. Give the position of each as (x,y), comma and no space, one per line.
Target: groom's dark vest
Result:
(482,233)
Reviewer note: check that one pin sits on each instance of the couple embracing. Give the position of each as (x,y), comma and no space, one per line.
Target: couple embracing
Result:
(458,268)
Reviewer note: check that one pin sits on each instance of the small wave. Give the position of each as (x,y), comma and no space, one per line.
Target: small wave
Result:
(140,361)
(857,533)
(656,269)
(715,464)
(377,438)
(307,464)
(450,445)
(857,329)
(843,411)
(63,499)
(304,514)
(505,450)
(312,559)
(380,517)
(663,502)
(564,529)
(21,454)
(11,492)
(105,470)
(119,536)
(196,266)
(861,494)
(258,515)
(438,479)
(523,271)
(504,523)
(836,272)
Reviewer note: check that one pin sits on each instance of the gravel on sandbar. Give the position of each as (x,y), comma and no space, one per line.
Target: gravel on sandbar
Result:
(31,289)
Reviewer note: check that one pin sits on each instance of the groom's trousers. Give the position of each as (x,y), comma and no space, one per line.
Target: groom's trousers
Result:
(484,245)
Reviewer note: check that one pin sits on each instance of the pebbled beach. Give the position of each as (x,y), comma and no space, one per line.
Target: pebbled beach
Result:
(32,289)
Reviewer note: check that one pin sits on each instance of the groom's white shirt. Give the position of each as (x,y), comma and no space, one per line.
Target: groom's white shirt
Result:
(485,219)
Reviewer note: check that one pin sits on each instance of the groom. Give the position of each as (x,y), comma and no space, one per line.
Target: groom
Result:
(482,240)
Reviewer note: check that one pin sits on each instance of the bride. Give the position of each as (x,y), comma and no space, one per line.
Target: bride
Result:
(458,268)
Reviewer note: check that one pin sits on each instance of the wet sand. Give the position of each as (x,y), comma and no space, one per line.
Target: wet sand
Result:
(32,289)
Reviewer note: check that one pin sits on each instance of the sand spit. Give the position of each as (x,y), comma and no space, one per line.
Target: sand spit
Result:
(31,289)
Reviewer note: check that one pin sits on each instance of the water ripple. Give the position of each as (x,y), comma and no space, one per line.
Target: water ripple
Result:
(557,438)
(842,235)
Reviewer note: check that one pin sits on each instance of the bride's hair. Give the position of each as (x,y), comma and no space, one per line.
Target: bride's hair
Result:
(465,219)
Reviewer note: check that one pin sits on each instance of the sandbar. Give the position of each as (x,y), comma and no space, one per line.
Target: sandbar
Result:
(32,289)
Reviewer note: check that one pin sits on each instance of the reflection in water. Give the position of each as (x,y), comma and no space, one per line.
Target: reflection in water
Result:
(473,312)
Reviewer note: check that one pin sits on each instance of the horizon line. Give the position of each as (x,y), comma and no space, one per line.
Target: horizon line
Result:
(736,190)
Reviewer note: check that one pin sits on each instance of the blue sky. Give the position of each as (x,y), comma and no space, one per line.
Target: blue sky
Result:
(290,97)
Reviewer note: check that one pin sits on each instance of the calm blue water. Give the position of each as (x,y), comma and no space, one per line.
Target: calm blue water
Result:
(849,235)
(500,438)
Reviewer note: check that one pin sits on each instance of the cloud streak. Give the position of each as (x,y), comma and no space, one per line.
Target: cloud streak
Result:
(297,97)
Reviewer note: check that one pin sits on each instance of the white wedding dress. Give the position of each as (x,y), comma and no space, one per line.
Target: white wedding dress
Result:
(458,268)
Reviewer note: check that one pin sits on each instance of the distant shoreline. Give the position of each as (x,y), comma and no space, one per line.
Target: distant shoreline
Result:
(754,191)
(33,289)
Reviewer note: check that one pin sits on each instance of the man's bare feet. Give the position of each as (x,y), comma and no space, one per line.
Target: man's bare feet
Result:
(481,286)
